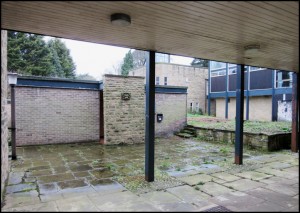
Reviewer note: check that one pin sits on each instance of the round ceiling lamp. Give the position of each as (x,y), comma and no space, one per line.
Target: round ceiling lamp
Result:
(252,49)
(120,19)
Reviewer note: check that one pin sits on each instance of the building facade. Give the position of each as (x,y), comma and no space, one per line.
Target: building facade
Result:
(194,78)
(268,93)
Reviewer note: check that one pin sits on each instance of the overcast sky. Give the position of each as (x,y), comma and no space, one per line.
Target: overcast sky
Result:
(98,59)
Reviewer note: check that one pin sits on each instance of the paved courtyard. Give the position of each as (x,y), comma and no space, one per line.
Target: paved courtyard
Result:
(190,175)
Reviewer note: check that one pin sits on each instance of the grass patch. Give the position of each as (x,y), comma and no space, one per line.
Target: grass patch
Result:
(267,127)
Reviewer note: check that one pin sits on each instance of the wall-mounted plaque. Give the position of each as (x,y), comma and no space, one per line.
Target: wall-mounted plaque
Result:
(125,96)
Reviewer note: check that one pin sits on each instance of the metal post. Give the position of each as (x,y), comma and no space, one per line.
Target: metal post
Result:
(226,92)
(247,93)
(274,113)
(208,87)
(13,124)
(295,114)
(239,115)
(150,117)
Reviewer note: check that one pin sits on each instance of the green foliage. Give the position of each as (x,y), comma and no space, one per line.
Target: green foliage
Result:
(198,62)
(61,59)
(85,77)
(29,54)
(127,63)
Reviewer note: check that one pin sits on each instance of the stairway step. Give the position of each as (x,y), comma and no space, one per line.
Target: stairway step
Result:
(184,135)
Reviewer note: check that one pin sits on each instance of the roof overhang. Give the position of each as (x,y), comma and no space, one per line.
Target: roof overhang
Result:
(210,30)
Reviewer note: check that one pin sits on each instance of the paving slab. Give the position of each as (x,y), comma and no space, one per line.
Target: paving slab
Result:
(196,179)
(279,173)
(20,199)
(252,175)
(235,199)
(225,176)
(214,189)
(79,204)
(278,165)
(23,187)
(106,186)
(188,194)
(40,207)
(265,206)
(72,184)
(273,179)
(15,178)
(244,184)
(282,188)
(275,197)
(55,178)
(122,201)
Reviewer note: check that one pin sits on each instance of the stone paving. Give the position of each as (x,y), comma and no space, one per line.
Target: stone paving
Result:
(190,175)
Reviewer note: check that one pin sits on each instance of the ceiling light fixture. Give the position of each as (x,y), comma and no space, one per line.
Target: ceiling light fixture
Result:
(252,49)
(120,19)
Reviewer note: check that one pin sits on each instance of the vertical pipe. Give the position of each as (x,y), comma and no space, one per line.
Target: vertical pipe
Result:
(150,118)
(226,93)
(239,115)
(13,124)
(274,111)
(295,114)
(247,93)
(209,89)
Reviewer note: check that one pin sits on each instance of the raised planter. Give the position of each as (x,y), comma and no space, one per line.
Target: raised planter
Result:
(260,141)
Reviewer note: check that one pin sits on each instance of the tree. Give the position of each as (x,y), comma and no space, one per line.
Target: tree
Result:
(85,76)
(61,59)
(127,64)
(198,62)
(28,54)
(139,58)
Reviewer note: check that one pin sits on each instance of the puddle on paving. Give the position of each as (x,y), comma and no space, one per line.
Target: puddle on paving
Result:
(78,165)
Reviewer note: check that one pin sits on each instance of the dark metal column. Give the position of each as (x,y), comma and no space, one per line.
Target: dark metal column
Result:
(239,120)
(274,111)
(226,92)
(208,88)
(150,117)
(295,114)
(247,93)
(13,124)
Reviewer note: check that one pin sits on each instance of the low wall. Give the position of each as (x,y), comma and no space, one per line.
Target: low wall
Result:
(251,140)
(56,115)
(173,109)
(124,120)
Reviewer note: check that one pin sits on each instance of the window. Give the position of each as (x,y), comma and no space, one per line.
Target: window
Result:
(219,72)
(166,81)
(232,70)
(160,57)
(157,81)
(283,79)
(191,107)
(256,68)
(217,65)
(197,107)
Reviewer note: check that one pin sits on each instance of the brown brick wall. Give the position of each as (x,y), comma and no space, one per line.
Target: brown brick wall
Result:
(173,108)
(4,116)
(124,120)
(51,116)
(181,75)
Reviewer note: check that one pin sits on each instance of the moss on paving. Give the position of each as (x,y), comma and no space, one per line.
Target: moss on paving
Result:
(266,127)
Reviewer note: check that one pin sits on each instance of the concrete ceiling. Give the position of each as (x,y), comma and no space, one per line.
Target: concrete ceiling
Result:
(211,30)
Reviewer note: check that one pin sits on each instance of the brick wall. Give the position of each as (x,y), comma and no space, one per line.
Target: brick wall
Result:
(124,120)
(173,108)
(4,116)
(181,75)
(50,115)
